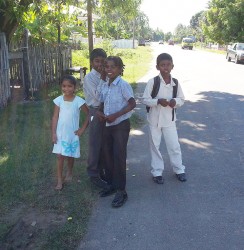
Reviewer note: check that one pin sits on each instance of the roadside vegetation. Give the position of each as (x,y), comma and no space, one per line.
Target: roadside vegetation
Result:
(32,214)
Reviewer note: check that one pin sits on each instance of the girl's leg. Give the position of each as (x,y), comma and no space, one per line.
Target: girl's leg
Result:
(69,173)
(60,165)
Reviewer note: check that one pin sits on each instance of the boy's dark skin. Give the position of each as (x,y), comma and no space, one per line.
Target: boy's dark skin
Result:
(97,63)
(165,67)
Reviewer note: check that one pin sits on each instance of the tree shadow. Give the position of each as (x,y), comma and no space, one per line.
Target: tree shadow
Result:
(211,133)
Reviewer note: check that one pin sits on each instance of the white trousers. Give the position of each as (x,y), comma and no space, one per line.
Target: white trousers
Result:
(173,147)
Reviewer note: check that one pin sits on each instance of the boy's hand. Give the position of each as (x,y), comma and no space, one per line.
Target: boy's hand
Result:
(101,116)
(111,118)
(163,102)
(54,138)
(79,132)
(103,74)
(172,103)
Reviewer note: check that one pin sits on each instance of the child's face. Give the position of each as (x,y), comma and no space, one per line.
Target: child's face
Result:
(68,88)
(98,63)
(165,67)
(112,70)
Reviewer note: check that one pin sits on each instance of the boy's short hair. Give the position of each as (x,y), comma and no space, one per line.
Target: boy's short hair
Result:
(164,56)
(96,53)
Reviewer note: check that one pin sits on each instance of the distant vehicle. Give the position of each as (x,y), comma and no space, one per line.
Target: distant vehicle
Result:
(187,42)
(161,42)
(147,42)
(142,42)
(171,42)
(236,53)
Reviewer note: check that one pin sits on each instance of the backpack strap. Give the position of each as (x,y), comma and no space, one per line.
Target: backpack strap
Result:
(155,89)
(175,89)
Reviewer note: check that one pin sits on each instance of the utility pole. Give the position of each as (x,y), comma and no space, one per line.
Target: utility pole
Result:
(89,25)
(133,33)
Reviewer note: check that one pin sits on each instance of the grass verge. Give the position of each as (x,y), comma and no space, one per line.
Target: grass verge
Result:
(32,214)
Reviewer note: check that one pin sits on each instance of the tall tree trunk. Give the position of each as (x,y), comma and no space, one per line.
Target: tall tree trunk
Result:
(89,24)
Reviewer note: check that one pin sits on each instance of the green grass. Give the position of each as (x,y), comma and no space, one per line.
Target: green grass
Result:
(136,61)
(28,168)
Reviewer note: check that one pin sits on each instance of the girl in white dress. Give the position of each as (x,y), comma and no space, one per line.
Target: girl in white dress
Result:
(65,127)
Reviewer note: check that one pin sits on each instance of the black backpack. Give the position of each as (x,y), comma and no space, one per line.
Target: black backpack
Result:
(155,90)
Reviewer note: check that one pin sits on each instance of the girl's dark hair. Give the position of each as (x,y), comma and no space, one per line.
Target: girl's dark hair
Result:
(164,56)
(96,53)
(69,78)
(117,62)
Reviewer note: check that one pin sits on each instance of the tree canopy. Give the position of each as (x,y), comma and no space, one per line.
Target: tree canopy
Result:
(225,21)
(46,18)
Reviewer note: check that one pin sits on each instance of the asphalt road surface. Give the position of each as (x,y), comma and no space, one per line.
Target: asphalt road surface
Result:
(207,211)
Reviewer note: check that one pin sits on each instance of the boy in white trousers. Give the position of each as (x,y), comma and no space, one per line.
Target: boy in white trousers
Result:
(161,118)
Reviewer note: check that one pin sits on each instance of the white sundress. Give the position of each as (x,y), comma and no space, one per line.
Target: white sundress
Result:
(68,143)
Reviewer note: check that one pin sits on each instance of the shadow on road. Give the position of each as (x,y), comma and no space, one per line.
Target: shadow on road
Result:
(206,212)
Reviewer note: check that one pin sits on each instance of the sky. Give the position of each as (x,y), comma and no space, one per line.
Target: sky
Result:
(167,14)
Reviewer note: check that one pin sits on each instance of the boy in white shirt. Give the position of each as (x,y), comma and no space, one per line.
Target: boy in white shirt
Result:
(93,84)
(161,118)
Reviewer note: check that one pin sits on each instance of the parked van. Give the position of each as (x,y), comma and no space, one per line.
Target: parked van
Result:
(187,43)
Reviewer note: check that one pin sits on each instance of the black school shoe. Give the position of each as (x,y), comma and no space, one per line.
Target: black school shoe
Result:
(158,179)
(119,199)
(107,191)
(98,182)
(181,177)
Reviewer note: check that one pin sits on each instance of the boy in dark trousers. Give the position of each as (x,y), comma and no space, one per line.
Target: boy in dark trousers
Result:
(117,103)
(161,118)
(93,83)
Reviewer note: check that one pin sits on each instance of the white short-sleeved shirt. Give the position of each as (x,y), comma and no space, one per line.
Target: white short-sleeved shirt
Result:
(115,97)
(68,143)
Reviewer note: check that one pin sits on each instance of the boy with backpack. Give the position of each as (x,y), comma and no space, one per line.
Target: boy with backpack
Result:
(162,95)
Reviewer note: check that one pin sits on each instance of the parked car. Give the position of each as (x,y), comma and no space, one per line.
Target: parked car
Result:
(161,42)
(148,42)
(187,43)
(142,42)
(171,42)
(236,53)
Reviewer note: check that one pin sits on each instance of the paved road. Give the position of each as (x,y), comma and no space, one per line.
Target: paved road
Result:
(206,212)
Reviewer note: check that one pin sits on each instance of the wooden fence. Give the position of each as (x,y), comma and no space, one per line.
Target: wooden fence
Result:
(4,72)
(28,67)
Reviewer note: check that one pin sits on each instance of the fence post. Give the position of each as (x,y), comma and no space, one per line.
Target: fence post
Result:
(5,92)
(26,80)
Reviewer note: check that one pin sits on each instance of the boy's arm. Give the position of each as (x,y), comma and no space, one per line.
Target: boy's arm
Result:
(100,113)
(92,88)
(179,100)
(99,88)
(147,98)
(81,130)
(131,105)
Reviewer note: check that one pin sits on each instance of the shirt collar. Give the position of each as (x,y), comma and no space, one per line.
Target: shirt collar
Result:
(116,80)
(96,73)
(172,83)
